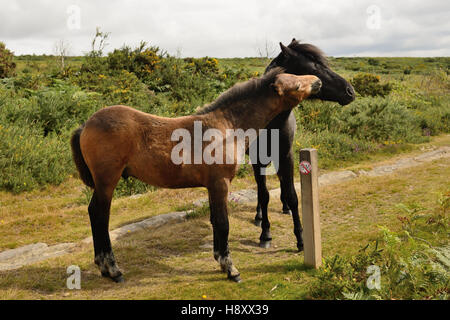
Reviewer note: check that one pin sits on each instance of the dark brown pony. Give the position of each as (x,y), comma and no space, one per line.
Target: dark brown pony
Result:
(120,140)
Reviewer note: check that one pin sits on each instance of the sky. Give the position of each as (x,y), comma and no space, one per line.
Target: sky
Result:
(231,28)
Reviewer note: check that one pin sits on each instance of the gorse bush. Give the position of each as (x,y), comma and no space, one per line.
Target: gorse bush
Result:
(53,109)
(141,61)
(334,146)
(122,87)
(154,81)
(190,83)
(205,66)
(364,126)
(315,115)
(373,119)
(28,160)
(35,130)
(380,120)
(367,84)
(30,82)
(7,65)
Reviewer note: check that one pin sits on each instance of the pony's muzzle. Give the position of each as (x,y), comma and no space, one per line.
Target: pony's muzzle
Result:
(315,86)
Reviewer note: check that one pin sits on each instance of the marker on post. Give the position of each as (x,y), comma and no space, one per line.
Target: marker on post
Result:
(310,207)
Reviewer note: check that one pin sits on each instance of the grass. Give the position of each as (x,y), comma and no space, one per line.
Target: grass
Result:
(175,262)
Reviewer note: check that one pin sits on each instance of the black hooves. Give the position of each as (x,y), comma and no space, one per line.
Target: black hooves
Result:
(258,222)
(116,279)
(300,247)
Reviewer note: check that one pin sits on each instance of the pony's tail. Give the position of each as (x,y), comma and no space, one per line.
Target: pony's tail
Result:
(83,169)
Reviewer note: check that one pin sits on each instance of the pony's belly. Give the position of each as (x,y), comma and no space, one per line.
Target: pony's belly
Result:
(168,176)
(183,176)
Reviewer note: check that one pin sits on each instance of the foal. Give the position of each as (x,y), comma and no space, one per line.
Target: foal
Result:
(121,141)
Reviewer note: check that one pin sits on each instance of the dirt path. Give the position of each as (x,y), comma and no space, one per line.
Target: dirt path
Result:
(26,255)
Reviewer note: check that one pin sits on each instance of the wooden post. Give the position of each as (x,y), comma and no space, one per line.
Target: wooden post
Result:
(310,207)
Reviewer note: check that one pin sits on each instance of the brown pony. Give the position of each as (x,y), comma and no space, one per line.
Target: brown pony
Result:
(121,141)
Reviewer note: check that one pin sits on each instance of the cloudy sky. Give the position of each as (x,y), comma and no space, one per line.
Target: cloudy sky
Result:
(231,28)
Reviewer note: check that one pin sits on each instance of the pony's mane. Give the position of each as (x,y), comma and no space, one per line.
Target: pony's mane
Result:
(245,90)
(309,50)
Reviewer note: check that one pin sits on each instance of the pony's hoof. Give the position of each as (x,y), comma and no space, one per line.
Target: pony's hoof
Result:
(236,278)
(118,279)
(265,244)
(258,222)
(300,247)
(286,211)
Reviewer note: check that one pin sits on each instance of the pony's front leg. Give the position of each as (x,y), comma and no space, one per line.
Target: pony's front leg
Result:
(286,175)
(265,238)
(99,209)
(218,197)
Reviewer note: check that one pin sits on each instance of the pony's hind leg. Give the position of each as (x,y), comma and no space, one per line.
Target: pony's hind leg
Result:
(99,211)
(218,194)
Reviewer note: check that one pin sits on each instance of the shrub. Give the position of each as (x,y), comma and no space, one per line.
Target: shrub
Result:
(367,84)
(30,81)
(187,89)
(205,66)
(373,62)
(7,66)
(28,160)
(316,115)
(407,70)
(334,147)
(53,109)
(141,61)
(380,120)
(120,87)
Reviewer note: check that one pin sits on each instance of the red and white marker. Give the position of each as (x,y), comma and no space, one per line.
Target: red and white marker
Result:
(305,167)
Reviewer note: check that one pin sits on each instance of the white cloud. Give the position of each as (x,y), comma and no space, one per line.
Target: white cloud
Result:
(232,28)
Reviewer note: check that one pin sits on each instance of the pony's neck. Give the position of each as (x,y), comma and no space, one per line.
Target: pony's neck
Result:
(255,114)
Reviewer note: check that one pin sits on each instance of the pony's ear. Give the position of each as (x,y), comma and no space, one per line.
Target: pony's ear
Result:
(285,50)
(277,88)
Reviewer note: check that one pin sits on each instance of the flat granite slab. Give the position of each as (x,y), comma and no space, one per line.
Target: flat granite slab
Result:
(16,258)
